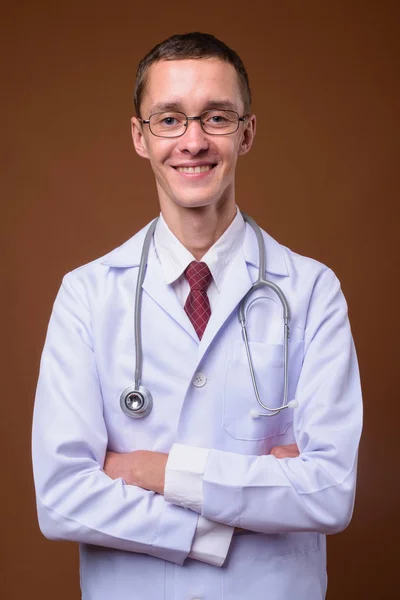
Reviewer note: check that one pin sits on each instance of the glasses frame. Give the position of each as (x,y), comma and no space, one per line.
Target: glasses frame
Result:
(198,118)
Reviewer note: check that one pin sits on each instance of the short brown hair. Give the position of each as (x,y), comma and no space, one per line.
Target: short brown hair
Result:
(193,45)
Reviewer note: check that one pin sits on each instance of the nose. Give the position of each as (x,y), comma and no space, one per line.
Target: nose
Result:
(194,140)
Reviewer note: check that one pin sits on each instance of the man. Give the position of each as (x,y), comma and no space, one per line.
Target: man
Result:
(205,496)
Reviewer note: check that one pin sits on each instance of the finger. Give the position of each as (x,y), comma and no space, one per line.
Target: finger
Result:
(292,449)
(285,451)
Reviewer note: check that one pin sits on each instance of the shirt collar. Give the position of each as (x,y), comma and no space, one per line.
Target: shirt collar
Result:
(128,255)
(174,257)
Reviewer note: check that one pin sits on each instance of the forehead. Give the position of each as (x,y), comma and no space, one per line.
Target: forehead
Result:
(191,83)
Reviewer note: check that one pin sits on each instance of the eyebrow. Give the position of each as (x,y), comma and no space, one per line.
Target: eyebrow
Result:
(177,106)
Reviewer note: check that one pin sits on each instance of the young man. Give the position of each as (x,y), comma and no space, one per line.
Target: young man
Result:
(204,496)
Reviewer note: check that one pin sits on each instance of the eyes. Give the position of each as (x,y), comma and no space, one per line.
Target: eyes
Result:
(175,123)
(168,121)
(219,118)
(213,118)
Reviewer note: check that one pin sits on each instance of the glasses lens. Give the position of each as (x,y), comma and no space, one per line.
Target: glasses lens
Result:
(220,122)
(168,124)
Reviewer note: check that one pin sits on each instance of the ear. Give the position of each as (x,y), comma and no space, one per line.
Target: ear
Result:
(249,131)
(138,138)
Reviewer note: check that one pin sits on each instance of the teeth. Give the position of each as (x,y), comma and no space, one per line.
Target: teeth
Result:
(201,169)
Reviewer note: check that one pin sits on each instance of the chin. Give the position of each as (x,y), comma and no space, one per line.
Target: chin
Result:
(195,202)
(199,199)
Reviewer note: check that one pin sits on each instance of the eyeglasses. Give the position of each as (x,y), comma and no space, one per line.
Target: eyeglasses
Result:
(174,124)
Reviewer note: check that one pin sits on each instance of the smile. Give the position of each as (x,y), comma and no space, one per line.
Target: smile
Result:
(199,169)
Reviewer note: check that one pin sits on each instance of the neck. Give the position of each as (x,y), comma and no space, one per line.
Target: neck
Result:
(199,228)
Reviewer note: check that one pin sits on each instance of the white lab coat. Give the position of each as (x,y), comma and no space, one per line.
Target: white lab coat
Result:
(133,544)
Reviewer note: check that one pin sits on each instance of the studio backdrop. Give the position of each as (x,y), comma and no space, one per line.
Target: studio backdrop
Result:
(322,178)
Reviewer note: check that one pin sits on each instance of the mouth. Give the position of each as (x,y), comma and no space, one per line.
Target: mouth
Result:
(195,169)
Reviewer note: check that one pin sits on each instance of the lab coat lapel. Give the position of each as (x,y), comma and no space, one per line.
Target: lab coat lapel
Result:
(239,280)
(164,295)
(235,286)
(128,255)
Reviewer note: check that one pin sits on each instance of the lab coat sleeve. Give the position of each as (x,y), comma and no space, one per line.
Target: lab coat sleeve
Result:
(212,540)
(315,491)
(76,500)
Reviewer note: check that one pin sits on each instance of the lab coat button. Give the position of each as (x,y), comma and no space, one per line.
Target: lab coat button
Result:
(199,380)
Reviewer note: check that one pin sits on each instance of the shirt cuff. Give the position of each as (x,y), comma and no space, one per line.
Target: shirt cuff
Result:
(211,542)
(184,476)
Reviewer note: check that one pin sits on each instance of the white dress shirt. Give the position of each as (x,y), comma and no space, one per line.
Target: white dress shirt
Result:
(174,258)
(211,540)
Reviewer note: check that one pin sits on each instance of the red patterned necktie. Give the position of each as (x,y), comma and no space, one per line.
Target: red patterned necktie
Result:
(197,305)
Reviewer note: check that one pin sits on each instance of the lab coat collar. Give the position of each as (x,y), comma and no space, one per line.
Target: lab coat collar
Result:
(164,295)
(236,284)
(275,262)
(128,255)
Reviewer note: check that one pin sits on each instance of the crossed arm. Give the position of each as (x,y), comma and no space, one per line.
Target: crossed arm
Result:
(79,488)
(146,469)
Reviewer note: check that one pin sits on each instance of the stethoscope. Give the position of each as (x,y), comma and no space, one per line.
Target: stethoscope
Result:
(136,400)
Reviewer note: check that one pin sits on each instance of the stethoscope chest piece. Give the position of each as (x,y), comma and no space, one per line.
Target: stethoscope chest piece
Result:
(136,403)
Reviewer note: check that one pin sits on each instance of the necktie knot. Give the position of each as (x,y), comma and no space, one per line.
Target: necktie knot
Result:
(198,275)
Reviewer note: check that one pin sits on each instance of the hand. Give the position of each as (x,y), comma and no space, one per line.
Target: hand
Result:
(240,531)
(142,468)
(287,451)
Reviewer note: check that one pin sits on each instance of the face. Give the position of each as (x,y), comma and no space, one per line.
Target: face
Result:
(196,169)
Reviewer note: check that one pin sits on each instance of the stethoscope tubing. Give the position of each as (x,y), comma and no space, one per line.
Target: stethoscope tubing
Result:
(242,314)
(138,302)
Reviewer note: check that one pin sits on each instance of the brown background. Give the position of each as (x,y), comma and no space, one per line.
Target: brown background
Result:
(322,178)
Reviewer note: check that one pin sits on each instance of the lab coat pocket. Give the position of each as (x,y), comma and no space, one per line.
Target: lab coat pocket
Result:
(240,403)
